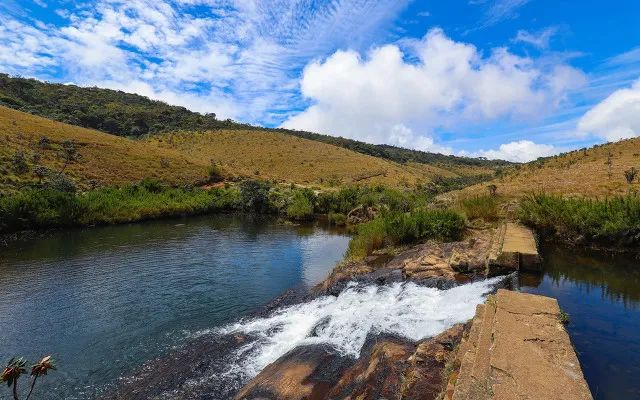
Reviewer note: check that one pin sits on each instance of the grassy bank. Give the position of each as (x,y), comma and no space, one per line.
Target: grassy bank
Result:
(60,205)
(398,228)
(47,208)
(611,222)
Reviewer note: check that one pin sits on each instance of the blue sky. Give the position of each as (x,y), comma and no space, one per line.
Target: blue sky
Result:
(514,79)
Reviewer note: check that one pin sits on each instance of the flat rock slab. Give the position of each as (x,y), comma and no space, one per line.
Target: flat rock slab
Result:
(519,239)
(529,355)
(519,248)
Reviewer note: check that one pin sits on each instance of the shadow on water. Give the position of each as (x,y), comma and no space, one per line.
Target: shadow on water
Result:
(601,294)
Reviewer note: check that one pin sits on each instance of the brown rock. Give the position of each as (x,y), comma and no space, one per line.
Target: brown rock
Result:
(307,372)
(424,376)
(377,376)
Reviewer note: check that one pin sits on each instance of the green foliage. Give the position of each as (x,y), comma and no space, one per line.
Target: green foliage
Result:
(397,228)
(609,221)
(350,197)
(215,173)
(630,175)
(368,238)
(62,183)
(44,208)
(301,208)
(254,196)
(337,219)
(485,207)
(19,163)
(564,318)
(440,184)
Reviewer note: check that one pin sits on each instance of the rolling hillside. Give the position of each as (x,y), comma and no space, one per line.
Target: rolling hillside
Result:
(593,172)
(131,115)
(183,158)
(104,158)
(285,158)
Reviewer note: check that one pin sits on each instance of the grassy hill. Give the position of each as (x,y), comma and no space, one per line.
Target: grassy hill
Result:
(285,158)
(131,115)
(183,158)
(593,172)
(104,158)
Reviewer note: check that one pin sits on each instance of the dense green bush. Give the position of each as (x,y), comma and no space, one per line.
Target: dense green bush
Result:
(394,228)
(43,208)
(337,219)
(485,207)
(350,197)
(301,208)
(613,221)
(254,196)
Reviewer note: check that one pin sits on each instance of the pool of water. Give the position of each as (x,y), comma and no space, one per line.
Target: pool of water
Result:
(601,294)
(105,300)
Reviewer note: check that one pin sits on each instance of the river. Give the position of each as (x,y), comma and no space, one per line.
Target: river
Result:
(601,294)
(104,300)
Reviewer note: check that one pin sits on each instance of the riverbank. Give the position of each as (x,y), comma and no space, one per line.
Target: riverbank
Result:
(48,207)
(609,224)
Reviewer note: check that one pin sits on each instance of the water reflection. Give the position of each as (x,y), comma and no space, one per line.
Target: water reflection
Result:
(601,293)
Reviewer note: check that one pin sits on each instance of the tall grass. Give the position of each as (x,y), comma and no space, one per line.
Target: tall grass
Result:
(485,207)
(609,220)
(395,228)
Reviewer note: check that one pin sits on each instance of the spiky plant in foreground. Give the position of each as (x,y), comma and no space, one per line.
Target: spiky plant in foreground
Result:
(16,367)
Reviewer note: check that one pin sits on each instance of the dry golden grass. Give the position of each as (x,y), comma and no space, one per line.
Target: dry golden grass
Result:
(583,173)
(183,157)
(106,159)
(285,158)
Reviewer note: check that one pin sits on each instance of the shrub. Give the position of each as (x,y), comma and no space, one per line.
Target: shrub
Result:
(44,142)
(608,220)
(337,219)
(301,208)
(40,172)
(368,237)
(254,196)
(630,175)
(19,162)
(405,228)
(62,183)
(485,207)
(215,173)
(33,209)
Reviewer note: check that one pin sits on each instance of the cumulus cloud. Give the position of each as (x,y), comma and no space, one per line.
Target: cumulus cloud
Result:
(616,117)
(519,151)
(384,98)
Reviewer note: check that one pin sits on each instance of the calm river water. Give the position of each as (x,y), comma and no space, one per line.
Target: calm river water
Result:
(602,296)
(104,300)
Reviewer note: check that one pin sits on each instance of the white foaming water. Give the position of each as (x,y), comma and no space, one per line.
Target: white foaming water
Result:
(403,309)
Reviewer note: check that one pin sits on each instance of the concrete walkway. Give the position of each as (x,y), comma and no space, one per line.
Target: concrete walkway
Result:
(517,348)
(517,249)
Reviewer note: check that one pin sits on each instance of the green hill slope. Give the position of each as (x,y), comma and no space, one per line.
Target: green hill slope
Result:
(125,114)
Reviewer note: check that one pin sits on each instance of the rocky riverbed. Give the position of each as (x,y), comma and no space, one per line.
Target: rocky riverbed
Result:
(385,327)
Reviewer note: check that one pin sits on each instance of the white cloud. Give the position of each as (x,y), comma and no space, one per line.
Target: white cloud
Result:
(385,99)
(616,117)
(539,40)
(242,56)
(518,151)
